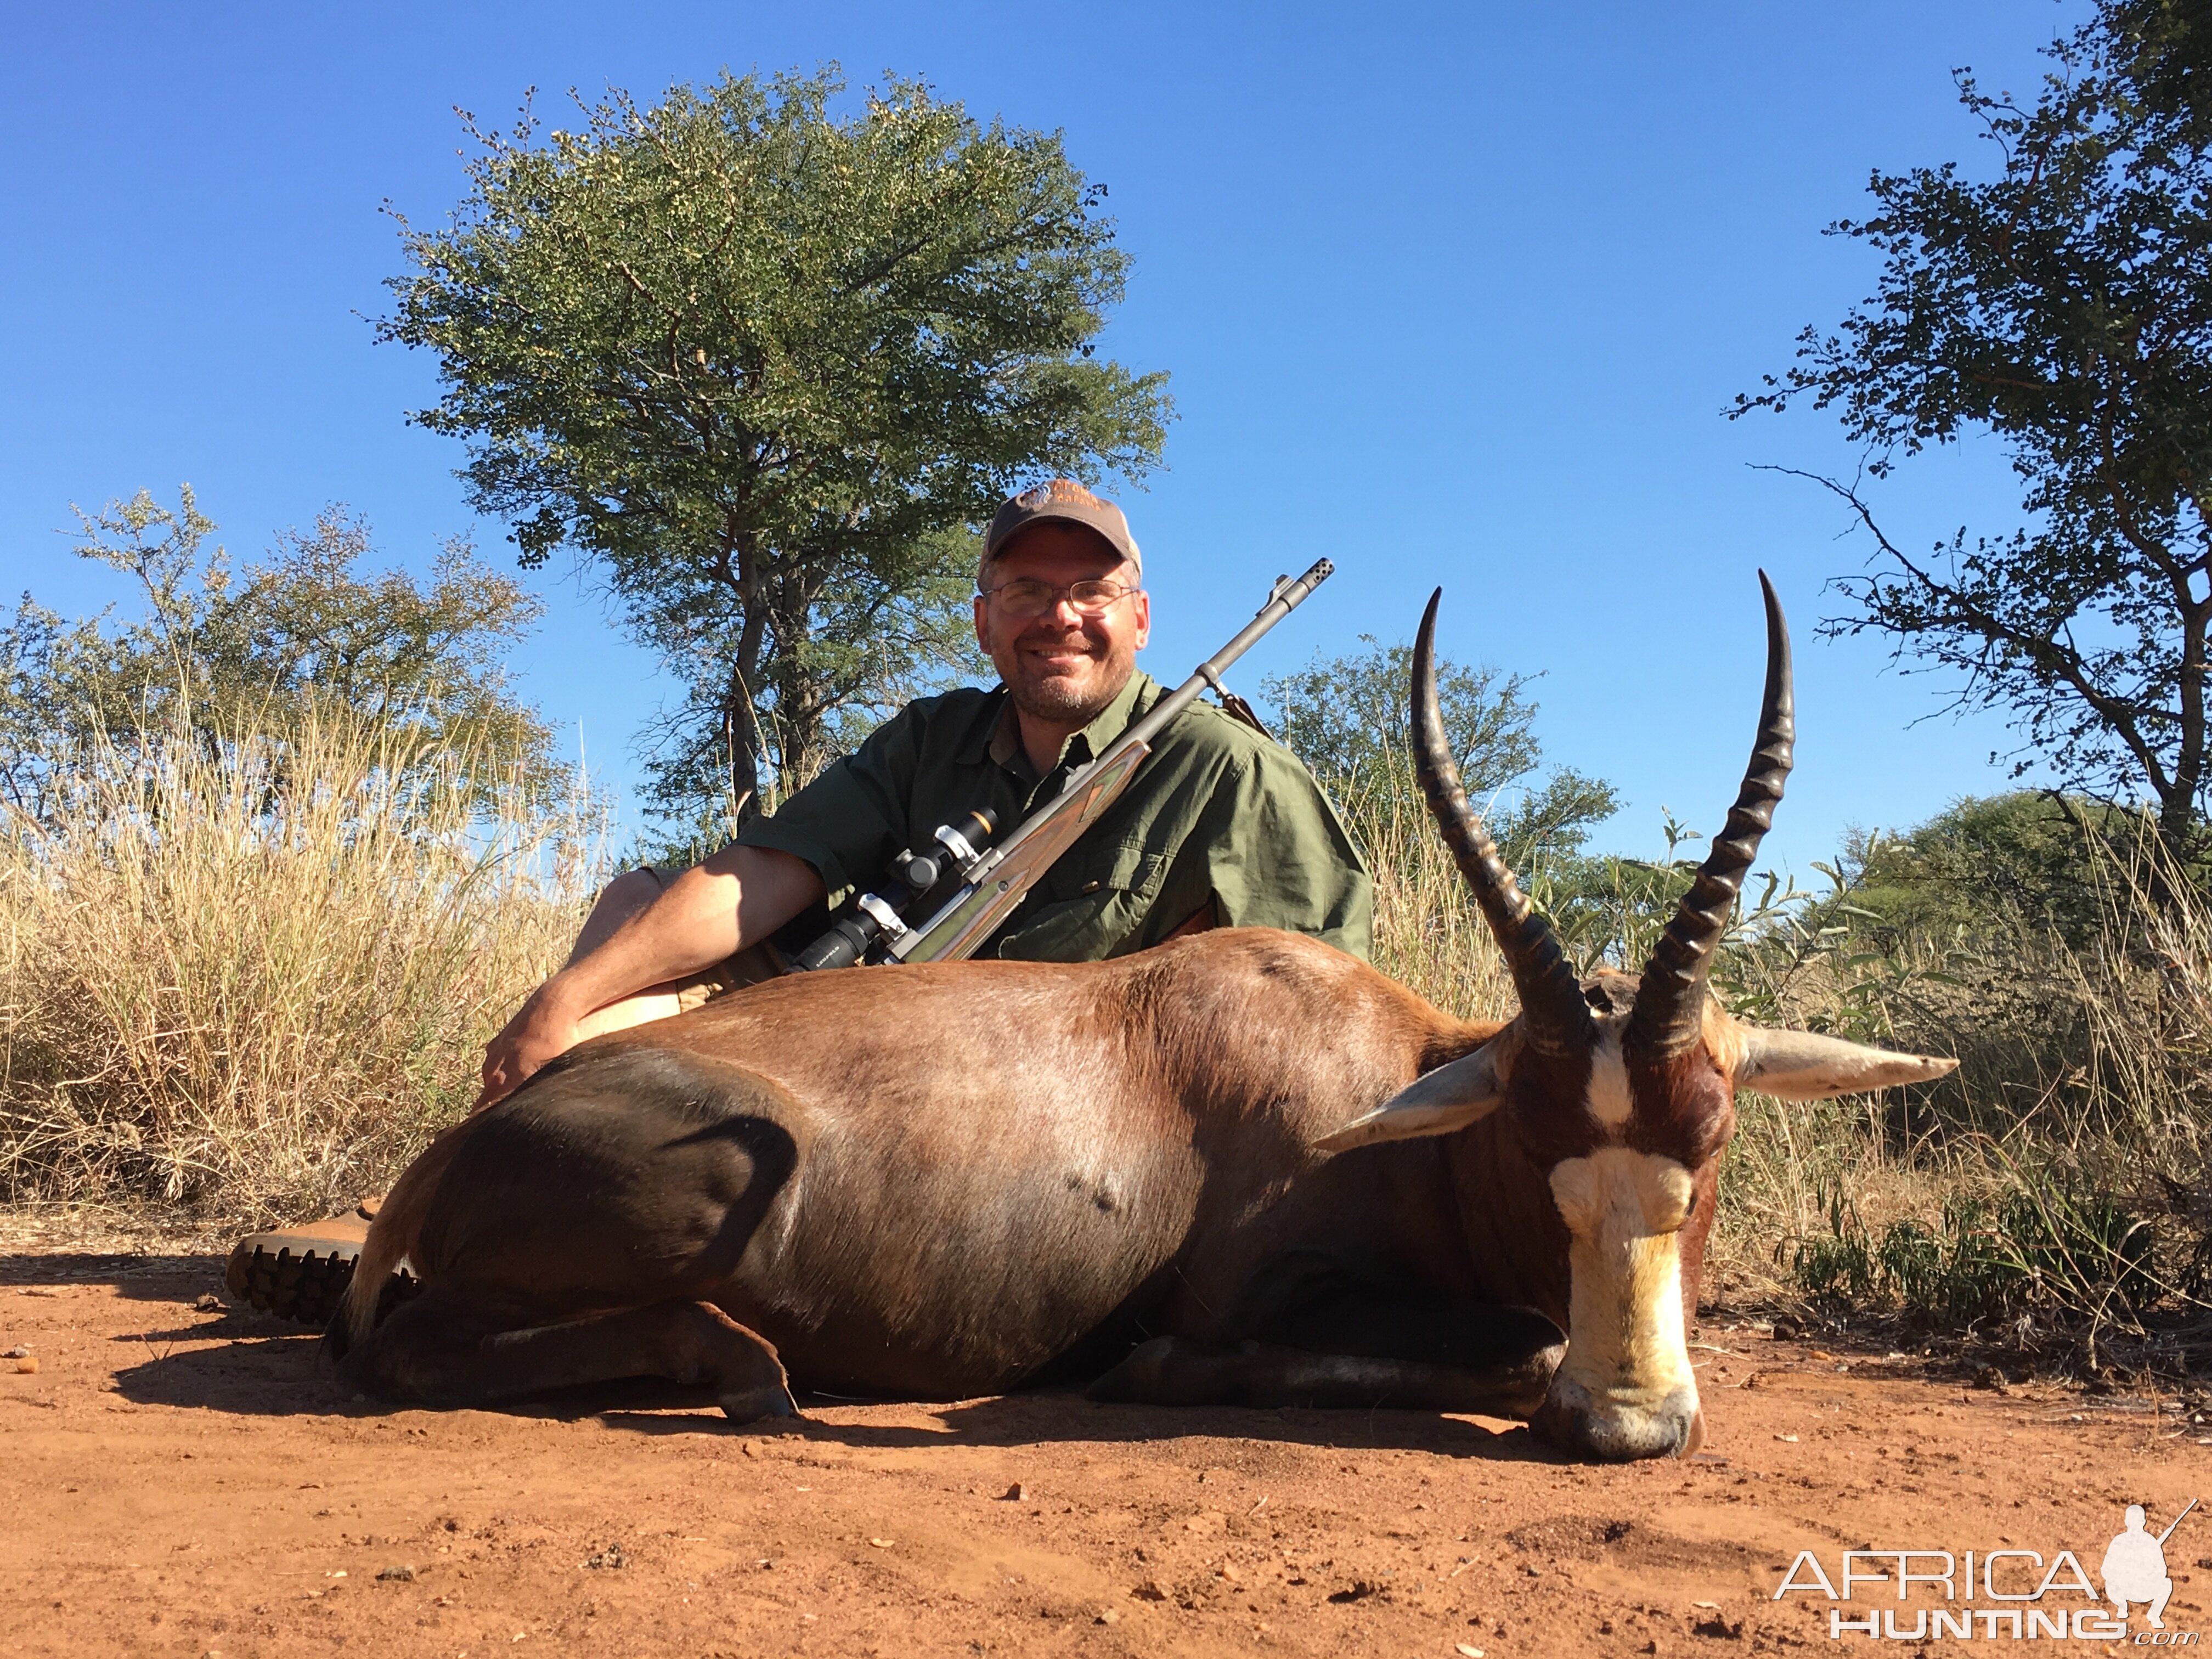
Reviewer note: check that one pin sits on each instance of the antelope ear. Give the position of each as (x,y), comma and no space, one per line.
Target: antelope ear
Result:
(1800,1066)
(1450,1097)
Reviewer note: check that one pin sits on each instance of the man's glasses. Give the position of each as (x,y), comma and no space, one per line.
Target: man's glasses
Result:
(1026,597)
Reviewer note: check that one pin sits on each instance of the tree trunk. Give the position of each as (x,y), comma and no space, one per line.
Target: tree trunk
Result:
(741,738)
(741,727)
(801,715)
(2179,824)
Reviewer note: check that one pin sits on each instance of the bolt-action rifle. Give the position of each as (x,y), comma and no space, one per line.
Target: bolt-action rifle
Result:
(976,886)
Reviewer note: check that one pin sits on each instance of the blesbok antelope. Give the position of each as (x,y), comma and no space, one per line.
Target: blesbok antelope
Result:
(938,1181)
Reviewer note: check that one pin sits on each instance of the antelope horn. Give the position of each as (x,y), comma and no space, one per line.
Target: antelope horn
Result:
(1670,1006)
(1554,1019)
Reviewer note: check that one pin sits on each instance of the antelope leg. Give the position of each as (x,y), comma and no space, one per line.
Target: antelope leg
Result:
(1407,1352)
(431,1351)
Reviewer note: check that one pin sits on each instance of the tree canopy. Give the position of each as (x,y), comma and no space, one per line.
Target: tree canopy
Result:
(2165,48)
(2064,305)
(1985,864)
(265,648)
(1345,716)
(764,368)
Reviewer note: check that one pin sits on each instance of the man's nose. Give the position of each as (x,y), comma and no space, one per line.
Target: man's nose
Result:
(1061,615)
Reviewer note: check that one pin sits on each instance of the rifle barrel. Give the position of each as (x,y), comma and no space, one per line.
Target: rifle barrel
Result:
(2176,1521)
(1286,597)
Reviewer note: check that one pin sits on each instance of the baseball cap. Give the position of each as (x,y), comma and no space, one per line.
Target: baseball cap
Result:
(1066,500)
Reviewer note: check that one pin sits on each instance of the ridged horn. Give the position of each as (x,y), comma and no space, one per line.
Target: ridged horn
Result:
(1669,1015)
(1554,1019)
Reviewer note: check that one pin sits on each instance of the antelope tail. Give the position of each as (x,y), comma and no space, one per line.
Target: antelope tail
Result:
(394,1235)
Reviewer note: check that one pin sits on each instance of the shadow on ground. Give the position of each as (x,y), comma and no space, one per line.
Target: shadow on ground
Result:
(256,1374)
(249,1364)
(140,1278)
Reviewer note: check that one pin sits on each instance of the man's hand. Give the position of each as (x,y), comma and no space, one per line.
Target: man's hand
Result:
(639,937)
(541,1029)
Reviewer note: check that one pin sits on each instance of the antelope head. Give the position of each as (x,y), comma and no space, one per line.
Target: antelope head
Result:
(1621,1090)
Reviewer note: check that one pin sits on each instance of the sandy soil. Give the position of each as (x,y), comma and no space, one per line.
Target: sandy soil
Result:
(178,1478)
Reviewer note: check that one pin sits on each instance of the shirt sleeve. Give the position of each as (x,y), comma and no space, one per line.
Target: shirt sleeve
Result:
(1279,857)
(851,820)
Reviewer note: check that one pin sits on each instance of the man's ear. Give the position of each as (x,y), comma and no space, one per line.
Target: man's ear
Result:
(1800,1066)
(1450,1097)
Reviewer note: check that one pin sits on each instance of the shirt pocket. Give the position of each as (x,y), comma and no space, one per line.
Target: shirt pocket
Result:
(1128,867)
(1086,907)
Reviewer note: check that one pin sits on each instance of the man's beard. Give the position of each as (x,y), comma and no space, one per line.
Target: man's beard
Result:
(1073,699)
(1058,699)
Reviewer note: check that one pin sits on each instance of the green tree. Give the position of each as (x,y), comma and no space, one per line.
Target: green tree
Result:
(2165,49)
(266,648)
(2065,305)
(1984,865)
(764,368)
(1346,718)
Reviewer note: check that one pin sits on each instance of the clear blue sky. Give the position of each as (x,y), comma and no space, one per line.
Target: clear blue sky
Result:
(1451,293)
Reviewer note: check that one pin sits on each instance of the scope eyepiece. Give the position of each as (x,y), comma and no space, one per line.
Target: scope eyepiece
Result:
(847,941)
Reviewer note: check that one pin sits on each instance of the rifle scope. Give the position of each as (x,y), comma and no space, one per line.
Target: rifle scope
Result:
(953,852)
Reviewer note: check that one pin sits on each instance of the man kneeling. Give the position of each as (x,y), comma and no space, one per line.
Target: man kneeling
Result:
(1222,827)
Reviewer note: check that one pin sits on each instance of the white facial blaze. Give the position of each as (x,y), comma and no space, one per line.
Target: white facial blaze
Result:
(1610,1101)
(1623,1211)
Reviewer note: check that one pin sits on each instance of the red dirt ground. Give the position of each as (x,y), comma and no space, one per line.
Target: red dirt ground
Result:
(179,1479)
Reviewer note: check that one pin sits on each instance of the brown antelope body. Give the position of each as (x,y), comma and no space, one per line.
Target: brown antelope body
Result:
(1242,1168)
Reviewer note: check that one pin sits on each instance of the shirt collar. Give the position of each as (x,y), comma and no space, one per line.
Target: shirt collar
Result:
(1003,741)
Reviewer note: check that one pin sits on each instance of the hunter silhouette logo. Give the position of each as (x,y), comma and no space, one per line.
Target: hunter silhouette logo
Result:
(2024,1591)
(2134,1566)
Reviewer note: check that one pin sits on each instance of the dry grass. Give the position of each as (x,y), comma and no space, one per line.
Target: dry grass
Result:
(251,981)
(1428,936)
(2060,1176)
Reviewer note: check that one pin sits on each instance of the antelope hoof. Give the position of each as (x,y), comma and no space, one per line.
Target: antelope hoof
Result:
(750,1405)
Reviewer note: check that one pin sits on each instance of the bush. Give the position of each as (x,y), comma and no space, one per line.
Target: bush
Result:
(1985,1257)
(307,634)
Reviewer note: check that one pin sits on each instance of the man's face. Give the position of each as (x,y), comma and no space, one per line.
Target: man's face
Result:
(1063,667)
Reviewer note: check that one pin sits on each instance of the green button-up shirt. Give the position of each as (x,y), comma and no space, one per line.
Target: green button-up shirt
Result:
(1218,815)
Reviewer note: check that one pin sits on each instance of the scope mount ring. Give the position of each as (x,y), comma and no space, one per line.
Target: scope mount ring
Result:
(883,916)
(959,845)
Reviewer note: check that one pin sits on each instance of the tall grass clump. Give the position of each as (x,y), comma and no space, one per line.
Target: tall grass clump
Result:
(248,976)
(1428,935)
(2052,1192)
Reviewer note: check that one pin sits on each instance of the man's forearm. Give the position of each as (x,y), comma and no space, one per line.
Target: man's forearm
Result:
(737,897)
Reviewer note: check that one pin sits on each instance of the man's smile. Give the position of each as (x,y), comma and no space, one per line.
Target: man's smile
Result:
(1063,663)
(1063,654)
